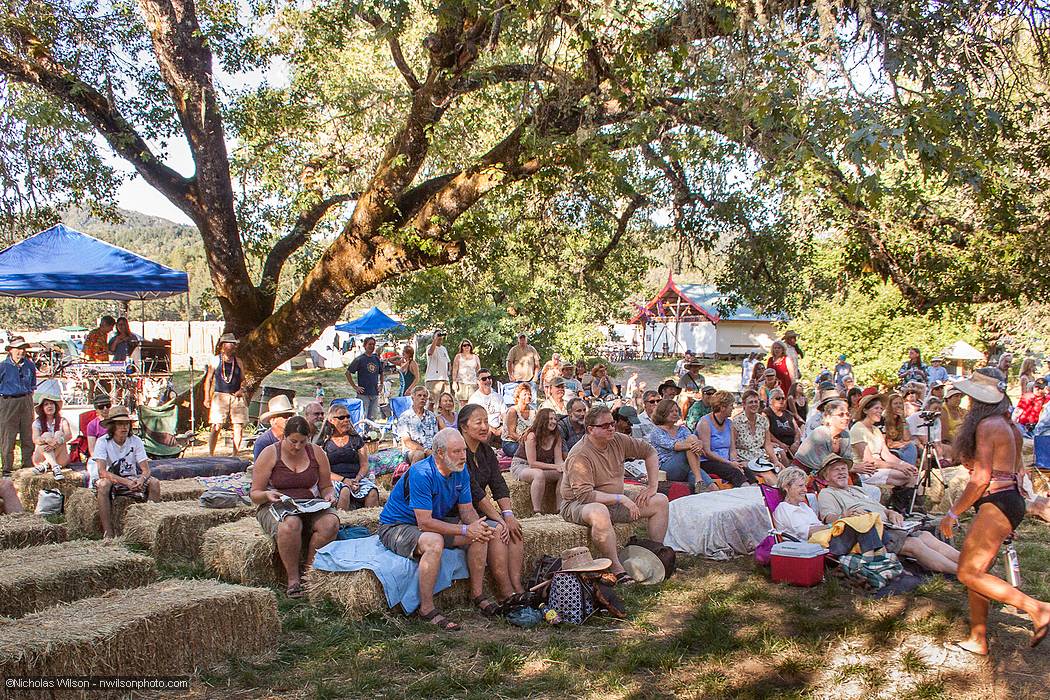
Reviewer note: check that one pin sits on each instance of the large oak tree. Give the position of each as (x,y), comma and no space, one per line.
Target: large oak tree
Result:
(400,122)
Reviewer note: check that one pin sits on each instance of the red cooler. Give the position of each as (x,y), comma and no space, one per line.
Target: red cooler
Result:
(797,563)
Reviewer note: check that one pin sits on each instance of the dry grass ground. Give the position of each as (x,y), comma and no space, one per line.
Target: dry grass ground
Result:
(714,631)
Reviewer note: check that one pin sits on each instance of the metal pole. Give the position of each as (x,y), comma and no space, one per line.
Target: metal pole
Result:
(189,351)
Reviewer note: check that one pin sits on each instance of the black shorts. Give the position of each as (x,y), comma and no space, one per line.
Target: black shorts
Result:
(1010,502)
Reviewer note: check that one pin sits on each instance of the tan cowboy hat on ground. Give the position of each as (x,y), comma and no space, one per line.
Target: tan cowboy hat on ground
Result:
(117,414)
(642,565)
(277,406)
(580,559)
(50,389)
(982,387)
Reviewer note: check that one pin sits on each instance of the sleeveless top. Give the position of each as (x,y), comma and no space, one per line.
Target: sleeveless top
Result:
(224,370)
(524,423)
(546,456)
(345,460)
(406,379)
(720,439)
(295,484)
(467,370)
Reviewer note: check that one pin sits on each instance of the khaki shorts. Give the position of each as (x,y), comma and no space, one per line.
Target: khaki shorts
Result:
(269,524)
(437,387)
(572,511)
(225,406)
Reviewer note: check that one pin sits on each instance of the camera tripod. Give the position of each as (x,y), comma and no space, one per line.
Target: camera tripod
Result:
(928,462)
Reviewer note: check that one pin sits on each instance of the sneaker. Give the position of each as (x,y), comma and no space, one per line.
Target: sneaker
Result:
(39,469)
(58,474)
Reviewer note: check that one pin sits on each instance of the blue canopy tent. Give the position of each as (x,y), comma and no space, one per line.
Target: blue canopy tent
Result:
(61,263)
(371,322)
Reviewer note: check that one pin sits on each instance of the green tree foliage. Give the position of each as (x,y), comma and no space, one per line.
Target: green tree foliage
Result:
(906,132)
(874,327)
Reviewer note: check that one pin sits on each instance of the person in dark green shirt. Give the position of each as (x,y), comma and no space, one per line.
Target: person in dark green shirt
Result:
(700,408)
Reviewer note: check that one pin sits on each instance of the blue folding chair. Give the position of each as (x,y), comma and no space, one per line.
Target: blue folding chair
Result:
(398,405)
(354,407)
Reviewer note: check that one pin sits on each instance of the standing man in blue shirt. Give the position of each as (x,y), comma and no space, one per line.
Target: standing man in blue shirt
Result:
(369,370)
(938,372)
(430,509)
(17,383)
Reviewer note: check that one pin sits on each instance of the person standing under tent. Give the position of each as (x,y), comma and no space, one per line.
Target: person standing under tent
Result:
(223,395)
(17,383)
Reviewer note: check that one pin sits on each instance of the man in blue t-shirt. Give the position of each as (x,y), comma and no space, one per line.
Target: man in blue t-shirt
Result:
(369,370)
(418,522)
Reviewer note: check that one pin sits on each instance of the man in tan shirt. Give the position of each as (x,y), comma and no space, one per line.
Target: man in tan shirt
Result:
(592,487)
(523,362)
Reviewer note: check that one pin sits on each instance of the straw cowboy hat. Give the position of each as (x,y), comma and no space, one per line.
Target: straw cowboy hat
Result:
(50,390)
(277,406)
(580,559)
(833,458)
(868,400)
(16,341)
(226,338)
(117,414)
(642,565)
(982,387)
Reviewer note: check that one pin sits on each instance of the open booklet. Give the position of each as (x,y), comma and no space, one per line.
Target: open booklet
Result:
(906,526)
(297,506)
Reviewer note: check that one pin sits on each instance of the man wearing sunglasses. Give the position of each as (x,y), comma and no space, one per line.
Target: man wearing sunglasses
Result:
(487,396)
(592,488)
(645,419)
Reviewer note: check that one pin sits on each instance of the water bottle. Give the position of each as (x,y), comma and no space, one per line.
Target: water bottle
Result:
(1011,564)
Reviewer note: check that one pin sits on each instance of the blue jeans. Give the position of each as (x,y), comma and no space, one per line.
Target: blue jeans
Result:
(909,453)
(677,469)
(370,406)
(510,448)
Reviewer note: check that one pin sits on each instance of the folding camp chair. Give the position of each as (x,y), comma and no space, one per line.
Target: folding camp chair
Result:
(353,407)
(157,426)
(398,405)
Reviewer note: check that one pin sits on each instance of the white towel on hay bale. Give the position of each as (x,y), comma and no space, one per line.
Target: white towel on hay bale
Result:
(175,530)
(173,627)
(26,529)
(34,578)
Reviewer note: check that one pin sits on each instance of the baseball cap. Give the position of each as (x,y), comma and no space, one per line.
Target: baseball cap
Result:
(627,413)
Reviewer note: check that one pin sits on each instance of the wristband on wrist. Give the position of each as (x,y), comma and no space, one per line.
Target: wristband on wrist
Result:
(463,530)
(506,513)
(619,498)
(951,515)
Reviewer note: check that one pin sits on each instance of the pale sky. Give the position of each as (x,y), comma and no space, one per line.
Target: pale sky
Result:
(135,194)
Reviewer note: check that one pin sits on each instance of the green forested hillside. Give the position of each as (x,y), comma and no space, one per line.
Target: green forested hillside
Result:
(175,245)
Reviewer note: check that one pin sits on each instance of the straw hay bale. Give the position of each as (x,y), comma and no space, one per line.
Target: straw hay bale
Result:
(362,517)
(29,485)
(359,593)
(941,496)
(173,627)
(241,552)
(551,534)
(37,577)
(521,497)
(82,506)
(175,530)
(26,530)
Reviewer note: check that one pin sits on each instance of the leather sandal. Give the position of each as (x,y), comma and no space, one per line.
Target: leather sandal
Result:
(438,619)
(487,605)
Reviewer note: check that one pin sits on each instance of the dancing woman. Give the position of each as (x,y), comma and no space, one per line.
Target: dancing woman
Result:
(989,444)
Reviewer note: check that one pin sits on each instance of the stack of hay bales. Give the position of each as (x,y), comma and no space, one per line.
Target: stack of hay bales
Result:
(521,497)
(168,628)
(242,553)
(944,491)
(551,534)
(175,530)
(82,506)
(37,577)
(29,485)
(26,530)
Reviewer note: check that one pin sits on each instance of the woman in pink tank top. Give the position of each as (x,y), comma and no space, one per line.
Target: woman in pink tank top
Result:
(294,468)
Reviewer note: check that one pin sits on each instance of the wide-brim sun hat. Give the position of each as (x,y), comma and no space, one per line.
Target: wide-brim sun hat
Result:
(642,565)
(49,390)
(580,559)
(983,388)
(16,341)
(868,400)
(278,406)
(117,414)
